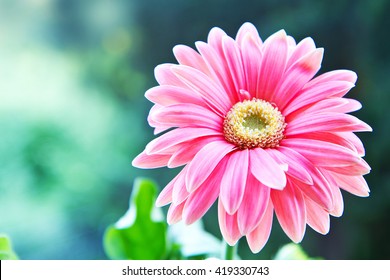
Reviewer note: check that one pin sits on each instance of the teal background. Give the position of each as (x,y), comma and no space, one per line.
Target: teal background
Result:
(73,115)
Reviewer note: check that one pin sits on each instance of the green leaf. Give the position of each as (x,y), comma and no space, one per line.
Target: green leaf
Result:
(291,251)
(141,233)
(194,242)
(6,251)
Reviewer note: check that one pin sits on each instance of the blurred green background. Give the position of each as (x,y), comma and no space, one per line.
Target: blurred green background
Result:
(73,115)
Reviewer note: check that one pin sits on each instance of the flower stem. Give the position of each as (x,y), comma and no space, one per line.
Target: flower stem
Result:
(229,252)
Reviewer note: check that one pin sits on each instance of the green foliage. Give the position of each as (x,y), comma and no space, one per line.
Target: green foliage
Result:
(73,112)
(291,251)
(6,251)
(193,242)
(140,234)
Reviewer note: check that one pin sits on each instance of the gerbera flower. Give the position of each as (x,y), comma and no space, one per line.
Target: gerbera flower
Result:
(255,130)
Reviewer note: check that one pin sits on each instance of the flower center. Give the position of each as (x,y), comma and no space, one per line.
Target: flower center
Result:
(254,123)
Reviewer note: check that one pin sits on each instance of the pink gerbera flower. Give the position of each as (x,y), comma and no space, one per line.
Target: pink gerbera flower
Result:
(254,130)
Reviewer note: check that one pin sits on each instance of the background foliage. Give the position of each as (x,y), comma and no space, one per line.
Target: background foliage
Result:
(73,116)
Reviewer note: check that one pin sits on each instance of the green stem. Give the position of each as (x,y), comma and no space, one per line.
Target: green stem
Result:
(229,252)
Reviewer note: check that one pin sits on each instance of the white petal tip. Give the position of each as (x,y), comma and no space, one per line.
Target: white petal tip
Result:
(136,163)
(159,203)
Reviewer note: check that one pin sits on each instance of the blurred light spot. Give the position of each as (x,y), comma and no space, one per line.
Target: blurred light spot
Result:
(118,42)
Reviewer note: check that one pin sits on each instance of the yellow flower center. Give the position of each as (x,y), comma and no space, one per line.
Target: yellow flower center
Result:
(254,123)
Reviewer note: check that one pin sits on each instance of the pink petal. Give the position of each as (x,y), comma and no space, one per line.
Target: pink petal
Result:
(322,153)
(251,56)
(319,191)
(335,75)
(338,202)
(357,169)
(228,225)
(304,47)
(165,196)
(345,105)
(216,49)
(297,76)
(317,218)
(174,214)
(165,76)
(253,206)
(177,136)
(248,29)
(158,127)
(259,236)
(334,138)
(146,161)
(266,169)
(214,96)
(245,95)
(179,192)
(355,141)
(186,152)
(234,180)
(291,211)
(189,57)
(201,199)
(328,105)
(168,95)
(273,65)
(233,58)
(295,168)
(153,110)
(331,122)
(356,185)
(204,162)
(214,38)
(311,94)
(180,115)
(291,45)
(219,70)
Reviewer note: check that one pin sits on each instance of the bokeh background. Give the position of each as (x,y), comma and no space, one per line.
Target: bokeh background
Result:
(73,115)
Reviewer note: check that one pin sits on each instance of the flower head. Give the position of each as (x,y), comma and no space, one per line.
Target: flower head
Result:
(254,129)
